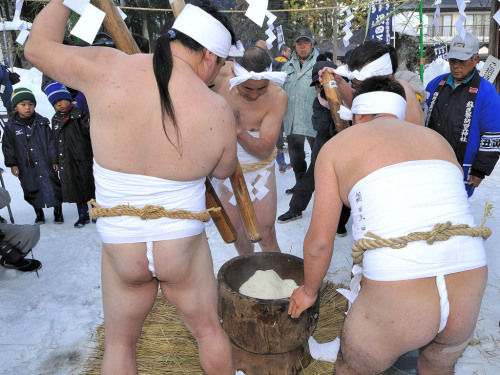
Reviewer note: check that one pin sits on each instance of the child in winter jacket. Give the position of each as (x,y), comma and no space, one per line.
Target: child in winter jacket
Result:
(71,130)
(29,150)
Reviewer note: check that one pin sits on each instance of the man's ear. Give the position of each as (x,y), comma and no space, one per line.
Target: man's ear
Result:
(207,57)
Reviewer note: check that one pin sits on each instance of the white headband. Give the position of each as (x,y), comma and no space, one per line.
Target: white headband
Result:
(243,75)
(376,102)
(205,29)
(380,67)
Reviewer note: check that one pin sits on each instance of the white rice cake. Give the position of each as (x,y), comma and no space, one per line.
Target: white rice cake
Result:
(268,285)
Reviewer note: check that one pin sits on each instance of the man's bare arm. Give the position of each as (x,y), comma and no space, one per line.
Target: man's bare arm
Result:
(414,113)
(227,162)
(70,65)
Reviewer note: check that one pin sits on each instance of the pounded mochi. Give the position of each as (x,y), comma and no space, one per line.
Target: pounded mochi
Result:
(268,285)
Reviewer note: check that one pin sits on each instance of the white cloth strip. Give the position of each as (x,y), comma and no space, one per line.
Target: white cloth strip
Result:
(205,29)
(149,255)
(379,102)
(379,67)
(243,75)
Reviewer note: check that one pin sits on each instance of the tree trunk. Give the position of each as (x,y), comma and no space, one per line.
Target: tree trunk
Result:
(335,29)
(493,49)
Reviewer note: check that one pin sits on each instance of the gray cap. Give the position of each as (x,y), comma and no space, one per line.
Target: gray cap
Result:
(304,32)
(461,49)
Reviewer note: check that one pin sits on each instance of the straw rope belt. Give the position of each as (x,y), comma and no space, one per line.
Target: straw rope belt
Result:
(149,212)
(440,232)
(252,167)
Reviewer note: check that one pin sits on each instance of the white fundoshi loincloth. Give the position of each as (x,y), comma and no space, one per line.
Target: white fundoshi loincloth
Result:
(256,180)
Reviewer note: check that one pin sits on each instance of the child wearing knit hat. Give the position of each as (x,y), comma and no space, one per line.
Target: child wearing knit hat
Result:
(71,131)
(29,150)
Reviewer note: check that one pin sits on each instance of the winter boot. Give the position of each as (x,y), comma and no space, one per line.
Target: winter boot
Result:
(23,265)
(40,217)
(58,215)
(280,159)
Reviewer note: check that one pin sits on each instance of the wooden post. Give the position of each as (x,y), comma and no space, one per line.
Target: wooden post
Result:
(334,100)
(245,205)
(125,42)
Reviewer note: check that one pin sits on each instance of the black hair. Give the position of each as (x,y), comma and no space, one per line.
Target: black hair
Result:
(380,84)
(142,42)
(321,57)
(255,59)
(329,55)
(284,47)
(163,62)
(370,51)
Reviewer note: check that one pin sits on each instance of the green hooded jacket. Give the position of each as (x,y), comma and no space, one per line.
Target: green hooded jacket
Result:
(301,95)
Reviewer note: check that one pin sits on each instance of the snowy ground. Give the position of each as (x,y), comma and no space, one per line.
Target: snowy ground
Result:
(47,323)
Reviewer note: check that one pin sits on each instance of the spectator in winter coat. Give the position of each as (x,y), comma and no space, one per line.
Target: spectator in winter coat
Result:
(5,89)
(29,150)
(71,129)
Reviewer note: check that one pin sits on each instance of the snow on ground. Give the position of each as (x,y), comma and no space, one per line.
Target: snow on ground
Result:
(47,323)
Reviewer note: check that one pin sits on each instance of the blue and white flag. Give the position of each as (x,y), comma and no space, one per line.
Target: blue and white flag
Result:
(378,12)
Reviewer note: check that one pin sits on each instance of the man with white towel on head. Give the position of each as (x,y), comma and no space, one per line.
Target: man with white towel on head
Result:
(398,178)
(148,152)
(259,104)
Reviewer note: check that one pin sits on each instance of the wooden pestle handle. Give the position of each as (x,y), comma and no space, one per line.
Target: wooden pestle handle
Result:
(220,218)
(245,205)
(334,100)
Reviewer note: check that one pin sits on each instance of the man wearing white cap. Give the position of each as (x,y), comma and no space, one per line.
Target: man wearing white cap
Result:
(148,152)
(259,104)
(464,108)
(417,294)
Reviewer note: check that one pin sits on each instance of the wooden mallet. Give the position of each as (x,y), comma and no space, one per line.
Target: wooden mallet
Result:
(334,100)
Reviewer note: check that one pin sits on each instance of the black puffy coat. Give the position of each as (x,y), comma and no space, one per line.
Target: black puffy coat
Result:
(32,150)
(74,154)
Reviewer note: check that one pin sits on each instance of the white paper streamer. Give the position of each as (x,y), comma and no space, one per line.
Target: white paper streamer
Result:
(257,11)
(347,28)
(270,29)
(437,14)
(243,75)
(77,6)
(89,23)
(496,17)
(459,25)
(23,35)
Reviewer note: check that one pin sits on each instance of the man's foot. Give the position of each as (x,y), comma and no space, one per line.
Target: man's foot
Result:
(81,223)
(2,220)
(289,216)
(23,265)
(342,231)
(289,191)
(40,217)
(283,167)
(58,215)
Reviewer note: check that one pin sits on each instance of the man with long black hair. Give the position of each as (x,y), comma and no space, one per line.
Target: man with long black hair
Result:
(148,112)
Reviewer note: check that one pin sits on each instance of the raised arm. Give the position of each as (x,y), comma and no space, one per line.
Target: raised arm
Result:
(72,66)
(318,244)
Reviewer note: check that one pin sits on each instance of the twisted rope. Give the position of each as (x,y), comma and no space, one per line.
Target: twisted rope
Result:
(440,232)
(252,167)
(149,212)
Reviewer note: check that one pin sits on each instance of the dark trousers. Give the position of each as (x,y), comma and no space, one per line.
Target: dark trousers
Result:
(280,143)
(83,209)
(298,155)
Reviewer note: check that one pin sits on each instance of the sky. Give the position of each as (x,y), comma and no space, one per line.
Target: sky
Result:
(47,323)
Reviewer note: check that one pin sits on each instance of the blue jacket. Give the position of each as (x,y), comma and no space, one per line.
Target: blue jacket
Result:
(32,150)
(301,95)
(6,91)
(483,145)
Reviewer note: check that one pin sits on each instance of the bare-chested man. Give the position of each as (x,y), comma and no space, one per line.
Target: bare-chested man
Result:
(374,58)
(397,178)
(259,105)
(148,151)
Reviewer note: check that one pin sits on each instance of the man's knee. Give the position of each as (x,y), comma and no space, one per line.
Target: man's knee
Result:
(23,237)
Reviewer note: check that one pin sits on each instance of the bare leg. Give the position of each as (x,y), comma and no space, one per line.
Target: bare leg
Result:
(242,244)
(265,210)
(188,282)
(465,292)
(129,292)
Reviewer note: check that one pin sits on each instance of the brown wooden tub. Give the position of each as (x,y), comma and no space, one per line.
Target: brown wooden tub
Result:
(265,339)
